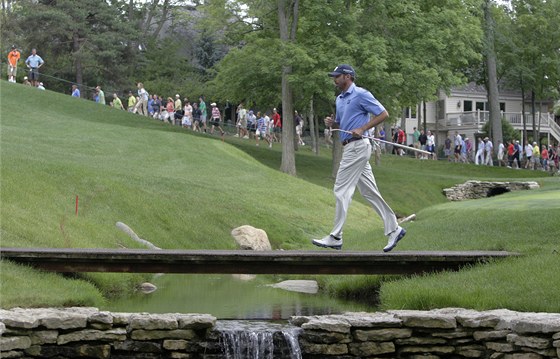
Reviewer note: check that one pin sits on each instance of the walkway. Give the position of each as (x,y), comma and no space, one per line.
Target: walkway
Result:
(244,262)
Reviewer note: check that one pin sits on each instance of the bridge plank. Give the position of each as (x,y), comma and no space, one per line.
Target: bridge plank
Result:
(245,262)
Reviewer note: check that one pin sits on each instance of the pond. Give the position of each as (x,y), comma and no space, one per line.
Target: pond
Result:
(228,297)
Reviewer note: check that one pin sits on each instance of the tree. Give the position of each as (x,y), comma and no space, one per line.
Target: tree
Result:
(491,72)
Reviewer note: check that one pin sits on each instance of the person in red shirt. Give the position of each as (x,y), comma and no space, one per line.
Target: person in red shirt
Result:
(510,152)
(13,58)
(544,158)
(277,126)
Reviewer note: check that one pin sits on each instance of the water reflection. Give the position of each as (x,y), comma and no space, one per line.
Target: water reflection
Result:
(226,297)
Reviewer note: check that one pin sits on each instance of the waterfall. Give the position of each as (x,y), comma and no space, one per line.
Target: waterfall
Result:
(258,340)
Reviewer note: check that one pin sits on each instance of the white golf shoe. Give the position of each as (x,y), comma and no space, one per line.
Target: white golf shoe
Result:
(394,238)
(329,241)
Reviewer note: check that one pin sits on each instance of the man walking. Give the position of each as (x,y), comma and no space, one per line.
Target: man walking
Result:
(13,59)
(34,62)
(353,108)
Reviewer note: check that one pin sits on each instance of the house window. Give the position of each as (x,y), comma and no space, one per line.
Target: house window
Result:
(467,106)
(410,112)
(503,106)
(481,106)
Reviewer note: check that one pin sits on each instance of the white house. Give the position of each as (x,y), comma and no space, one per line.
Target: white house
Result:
(465,110)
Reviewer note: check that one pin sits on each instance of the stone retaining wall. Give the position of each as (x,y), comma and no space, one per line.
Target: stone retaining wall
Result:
(444,333)
(483,189)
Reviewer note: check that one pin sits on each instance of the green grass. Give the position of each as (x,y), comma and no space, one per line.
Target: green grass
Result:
(185,191)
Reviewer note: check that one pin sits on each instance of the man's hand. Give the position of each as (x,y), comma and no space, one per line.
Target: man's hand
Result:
(329,121)
(357,132)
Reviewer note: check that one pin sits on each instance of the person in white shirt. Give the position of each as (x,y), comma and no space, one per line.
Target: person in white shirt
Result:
(501,150)
(479,157)
(528,154)
(488,150)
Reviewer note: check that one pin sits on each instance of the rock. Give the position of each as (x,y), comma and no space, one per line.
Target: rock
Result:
(371,348)
(327,323)
(196,321)
(251,238)
(141,334)
(382,335)
(153,321)
(11,343)
(244,277)
(531,342)
(431,319)
(494,334)
(118,334)
(147,288)
(300,286)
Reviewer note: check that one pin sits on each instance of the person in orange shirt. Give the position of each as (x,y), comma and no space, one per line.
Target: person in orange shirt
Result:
(13,58)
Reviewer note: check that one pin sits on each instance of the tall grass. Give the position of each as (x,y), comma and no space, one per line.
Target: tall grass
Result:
(183,190)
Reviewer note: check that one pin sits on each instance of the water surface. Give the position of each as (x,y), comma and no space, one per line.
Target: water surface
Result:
(226,297)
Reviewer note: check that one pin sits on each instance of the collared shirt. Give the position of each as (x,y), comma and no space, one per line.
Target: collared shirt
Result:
(13,58)
(353,108)
(76,93)
(34,61)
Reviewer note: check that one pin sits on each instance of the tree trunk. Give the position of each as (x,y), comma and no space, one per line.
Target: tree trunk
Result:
(492,75)
(523,118)
(419,116)
(288,153)
(533,115)
(78,61)
(311,120)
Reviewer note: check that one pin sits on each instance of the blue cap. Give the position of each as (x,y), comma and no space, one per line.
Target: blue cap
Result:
(343,70)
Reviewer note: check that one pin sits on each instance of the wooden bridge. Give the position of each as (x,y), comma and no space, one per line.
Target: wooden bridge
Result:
(244,262)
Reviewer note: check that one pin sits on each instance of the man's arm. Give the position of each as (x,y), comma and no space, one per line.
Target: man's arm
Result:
(374,121)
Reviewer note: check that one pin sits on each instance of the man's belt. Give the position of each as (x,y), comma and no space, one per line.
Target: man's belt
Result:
(351,139)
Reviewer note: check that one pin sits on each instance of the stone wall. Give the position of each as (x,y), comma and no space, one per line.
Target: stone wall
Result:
(443,333)
(483,189)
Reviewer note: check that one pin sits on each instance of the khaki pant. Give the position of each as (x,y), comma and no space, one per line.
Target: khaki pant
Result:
(355,171)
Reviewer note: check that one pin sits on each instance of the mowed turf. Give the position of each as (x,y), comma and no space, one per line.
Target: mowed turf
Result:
(186,191)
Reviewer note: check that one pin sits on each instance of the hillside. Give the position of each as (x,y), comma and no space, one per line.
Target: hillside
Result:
(181,190)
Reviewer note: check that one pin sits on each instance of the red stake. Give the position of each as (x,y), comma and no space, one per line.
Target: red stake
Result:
(76,205)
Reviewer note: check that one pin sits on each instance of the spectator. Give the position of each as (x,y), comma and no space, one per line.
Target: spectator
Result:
(187,116)
(156,107)
(170,111)
(431,145)
(251,122)
(178,109)
(277,126)
(501,150)
(536,160)
(488,151)
(131,102)
(34,63)
(457,143)
(518,152)
(142,104)
(117,103)
(26,81)
(101,95)
(216,119)
(447,148)
(416,142)
(241,123)
(529,155)
(196,117)
(151,106)
(544,158)
(41,86)
(422,141)
(75,91)
(262,130)
(479,158)
(203,112)
(13,59)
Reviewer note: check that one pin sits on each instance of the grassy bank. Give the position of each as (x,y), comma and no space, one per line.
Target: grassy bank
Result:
(181,190)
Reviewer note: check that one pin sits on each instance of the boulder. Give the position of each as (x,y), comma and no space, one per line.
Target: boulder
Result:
(251,238)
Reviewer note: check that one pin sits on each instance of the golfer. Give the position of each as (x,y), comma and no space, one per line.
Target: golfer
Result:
(353,108)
